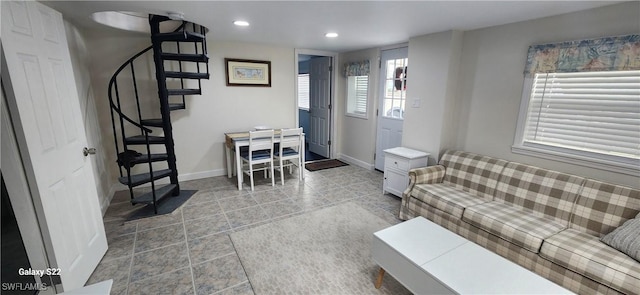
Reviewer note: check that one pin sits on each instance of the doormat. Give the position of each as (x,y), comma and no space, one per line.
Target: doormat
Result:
(324,164)
(165,206)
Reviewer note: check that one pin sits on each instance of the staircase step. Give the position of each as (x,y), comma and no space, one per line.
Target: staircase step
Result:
(181,36)
(185,57)
(176,106)
(138,179)
(152,122)
(184,91)
(186,75)
(140,139)
(145,159)
(130,158)
(160,194)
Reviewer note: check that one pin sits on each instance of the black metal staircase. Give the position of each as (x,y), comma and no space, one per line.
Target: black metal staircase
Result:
(181,62)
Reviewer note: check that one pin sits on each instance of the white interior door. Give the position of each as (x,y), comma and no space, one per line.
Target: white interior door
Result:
(319,105)
(393,94)
(45,111)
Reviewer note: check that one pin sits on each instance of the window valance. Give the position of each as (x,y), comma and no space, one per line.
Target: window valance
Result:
(360,68)
(619,53)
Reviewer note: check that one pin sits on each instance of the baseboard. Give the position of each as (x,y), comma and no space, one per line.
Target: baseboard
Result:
(203,174)
(356,162)
(112,191)
(107,200)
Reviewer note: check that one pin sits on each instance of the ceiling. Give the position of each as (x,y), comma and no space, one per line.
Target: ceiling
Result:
(302,24)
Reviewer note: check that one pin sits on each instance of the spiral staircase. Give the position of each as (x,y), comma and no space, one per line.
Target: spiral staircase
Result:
(181,62)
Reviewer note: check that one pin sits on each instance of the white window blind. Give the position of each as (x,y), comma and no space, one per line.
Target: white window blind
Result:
(357,95)
(590,112)
(303,91)
(362,84)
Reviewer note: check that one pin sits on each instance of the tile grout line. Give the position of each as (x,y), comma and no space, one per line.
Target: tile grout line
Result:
(133,252)
(221,256)
(224,213)
(186,240)
(242,265)
(236,285)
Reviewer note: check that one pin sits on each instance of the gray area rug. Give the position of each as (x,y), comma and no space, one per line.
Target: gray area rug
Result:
(322,252)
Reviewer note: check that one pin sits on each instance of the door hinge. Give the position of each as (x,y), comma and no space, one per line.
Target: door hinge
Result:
(330,68)
(330,106)
(329,143)
(379,63)
(374,156)
(376,112)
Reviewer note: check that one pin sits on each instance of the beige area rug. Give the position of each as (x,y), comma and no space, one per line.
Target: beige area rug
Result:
(322,252)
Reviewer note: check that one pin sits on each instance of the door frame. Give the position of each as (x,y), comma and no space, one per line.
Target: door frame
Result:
(27,216)
(380,96)
(333,92)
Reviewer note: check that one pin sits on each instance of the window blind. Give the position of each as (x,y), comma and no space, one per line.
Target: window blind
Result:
(303,91)
(597,112)
(362,84)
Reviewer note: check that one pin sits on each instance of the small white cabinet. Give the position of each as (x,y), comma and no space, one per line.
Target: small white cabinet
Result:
(397,163)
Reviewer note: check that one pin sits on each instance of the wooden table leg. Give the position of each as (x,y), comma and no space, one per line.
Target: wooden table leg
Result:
(379,279)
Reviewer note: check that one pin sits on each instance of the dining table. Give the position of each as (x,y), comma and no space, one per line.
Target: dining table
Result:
(235,140)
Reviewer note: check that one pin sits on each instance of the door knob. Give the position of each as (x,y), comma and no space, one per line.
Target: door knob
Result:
(88,151)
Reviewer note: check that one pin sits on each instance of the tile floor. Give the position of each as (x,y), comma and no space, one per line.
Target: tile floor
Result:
(190,252)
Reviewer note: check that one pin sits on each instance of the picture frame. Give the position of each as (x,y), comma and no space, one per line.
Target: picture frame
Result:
(247,72)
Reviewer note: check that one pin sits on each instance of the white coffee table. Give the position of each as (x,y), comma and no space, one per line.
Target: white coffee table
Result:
(429,259)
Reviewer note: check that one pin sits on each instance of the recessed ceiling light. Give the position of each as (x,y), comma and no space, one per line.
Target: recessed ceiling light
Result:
(241,23)
(331,35)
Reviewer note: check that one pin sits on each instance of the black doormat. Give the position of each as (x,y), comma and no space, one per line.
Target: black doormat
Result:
(165,206)
(324,164)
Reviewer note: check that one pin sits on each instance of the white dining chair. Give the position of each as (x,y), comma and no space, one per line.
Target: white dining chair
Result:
(259,152)
(289,150)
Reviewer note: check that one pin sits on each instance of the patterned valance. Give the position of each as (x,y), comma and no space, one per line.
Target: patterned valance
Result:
(357,68)
(604,54)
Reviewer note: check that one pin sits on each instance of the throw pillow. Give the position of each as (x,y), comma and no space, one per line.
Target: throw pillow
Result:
(626,238)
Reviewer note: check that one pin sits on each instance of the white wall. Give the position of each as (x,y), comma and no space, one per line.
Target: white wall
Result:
(199,130)
(357,136)
(492,78)
(432,78)
(107,51)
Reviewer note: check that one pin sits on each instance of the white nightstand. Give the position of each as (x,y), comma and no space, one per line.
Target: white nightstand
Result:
(397,163)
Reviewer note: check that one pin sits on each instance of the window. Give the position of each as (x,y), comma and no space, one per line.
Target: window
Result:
(395,88)
(588,118)
(357,90)
(357,74)
(303,91)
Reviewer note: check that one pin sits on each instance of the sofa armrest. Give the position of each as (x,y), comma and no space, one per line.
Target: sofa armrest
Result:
(424,175)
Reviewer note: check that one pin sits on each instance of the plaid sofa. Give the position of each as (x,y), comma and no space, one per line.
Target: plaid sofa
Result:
(546,221)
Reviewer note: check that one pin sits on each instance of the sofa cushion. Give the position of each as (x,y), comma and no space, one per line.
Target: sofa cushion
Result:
(472,173)
(512,224)
(626,238)
(446,198)
(545,193)
(586,255)
(602,207)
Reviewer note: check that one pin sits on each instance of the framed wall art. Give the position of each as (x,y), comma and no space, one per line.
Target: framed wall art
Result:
(246,72)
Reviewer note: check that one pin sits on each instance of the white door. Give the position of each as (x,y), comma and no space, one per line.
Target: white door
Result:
(43,101)
(393,68)
(319,105)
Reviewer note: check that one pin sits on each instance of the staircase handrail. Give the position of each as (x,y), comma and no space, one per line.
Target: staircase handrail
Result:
(115,76)
(113,80)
